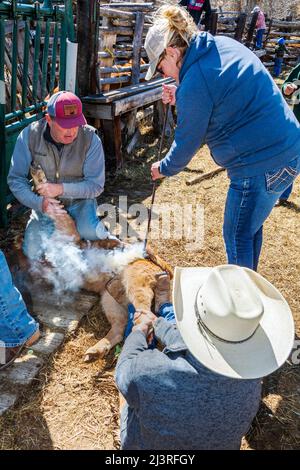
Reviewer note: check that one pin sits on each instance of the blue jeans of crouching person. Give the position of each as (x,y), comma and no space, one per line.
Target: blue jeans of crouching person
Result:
(249,203)
(84,213)
(16,324)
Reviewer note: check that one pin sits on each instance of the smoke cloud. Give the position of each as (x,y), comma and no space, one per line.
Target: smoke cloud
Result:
(67,267)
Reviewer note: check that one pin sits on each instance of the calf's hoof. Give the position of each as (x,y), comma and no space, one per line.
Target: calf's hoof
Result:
(96,352)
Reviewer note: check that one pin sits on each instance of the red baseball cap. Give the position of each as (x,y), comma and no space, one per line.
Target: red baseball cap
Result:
(66,108)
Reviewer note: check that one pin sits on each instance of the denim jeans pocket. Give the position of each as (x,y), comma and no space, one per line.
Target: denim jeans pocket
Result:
(277,181)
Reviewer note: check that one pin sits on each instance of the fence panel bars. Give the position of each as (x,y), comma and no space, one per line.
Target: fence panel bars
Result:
(25,65)
(14,65)
(3,187)
(63,53)
(37,47)
(53,59)
(45,60)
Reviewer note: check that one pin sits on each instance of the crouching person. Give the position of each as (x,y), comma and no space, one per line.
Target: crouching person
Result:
(17,327)
(203,389)
(71,155)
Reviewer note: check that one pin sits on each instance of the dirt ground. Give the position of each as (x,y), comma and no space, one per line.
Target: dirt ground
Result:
(73,405)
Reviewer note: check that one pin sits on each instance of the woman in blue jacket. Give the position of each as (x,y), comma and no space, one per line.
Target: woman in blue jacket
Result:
(226,98)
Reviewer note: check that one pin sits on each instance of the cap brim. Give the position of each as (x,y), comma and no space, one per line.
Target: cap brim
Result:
(257,357)
(151,70)
(71,122)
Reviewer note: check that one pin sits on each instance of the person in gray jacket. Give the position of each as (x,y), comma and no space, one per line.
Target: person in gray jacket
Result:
(203,389)
(71,155)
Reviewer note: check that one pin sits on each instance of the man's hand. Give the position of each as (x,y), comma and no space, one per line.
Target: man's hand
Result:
(143,321)
(50,189)
(289,89)
(168,94)
(155,173)
(52,207)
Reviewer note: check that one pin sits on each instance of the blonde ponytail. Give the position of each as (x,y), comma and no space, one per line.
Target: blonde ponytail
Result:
(178,21)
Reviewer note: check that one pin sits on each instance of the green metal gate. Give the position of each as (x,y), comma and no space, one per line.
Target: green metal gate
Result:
(33,38)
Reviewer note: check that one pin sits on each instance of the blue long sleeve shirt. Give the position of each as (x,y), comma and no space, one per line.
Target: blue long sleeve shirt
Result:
(227,99)
(91,186)
(174,402)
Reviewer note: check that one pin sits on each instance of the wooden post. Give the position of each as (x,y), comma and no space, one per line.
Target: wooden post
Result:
(213,23)
(118,141)
(158,119)
(112,142)
(87,36)
(137,46)
(241,23)
(136,67)
(251,29)
(268,33)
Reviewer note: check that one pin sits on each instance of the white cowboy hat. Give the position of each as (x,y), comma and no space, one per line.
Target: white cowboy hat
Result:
(233,320)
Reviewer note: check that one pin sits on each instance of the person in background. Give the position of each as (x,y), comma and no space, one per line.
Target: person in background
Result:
(260,27)
(196,8)
(280,50)
(18,329)
(203,388)
(291,90)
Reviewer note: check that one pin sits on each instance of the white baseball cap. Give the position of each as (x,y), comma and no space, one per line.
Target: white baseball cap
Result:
(157,39)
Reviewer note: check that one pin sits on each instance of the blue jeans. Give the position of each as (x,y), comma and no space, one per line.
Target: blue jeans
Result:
(167,311)
(40,225)
(278,66)
(286,194)
(259,38)
(16,325)
(249,202)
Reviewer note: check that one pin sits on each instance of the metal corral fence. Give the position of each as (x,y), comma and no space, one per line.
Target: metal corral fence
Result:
(33,39)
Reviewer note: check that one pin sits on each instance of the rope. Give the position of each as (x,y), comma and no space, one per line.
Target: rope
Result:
(154,183)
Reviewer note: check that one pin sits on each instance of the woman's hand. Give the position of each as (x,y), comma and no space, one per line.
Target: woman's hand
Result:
(155,173)
(168,94)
